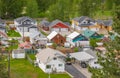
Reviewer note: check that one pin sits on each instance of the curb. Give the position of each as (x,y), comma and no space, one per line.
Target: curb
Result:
(69,74)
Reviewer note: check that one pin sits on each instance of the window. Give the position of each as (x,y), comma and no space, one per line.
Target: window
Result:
(60,65)
(54,58)
(48,66)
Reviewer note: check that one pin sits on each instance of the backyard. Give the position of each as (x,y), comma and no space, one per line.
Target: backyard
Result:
(23,69)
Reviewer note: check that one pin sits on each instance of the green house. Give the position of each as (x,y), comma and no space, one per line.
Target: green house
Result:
(91,34)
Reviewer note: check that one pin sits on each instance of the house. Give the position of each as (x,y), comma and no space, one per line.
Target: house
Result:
(38,37)
(59,26)
(56,38)
(50,60)
(19,53)
(44,24)
(77,39)
(2,25)
(25,45)
(3,38)
(83,23)
(25,25)
(105,24)
(91,34)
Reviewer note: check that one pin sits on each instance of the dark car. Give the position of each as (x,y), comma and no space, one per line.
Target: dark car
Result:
(83,65)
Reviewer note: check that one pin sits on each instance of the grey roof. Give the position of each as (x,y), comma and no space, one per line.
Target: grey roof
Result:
(21,19)
(54,22)
(105,22)
(85,21)
(44,23)
(91,52)
(67,23)
(80,19)
(27,25)
(18,51)
(2,21)
(108,22)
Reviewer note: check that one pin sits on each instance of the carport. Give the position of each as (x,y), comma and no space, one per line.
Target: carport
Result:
(81,57)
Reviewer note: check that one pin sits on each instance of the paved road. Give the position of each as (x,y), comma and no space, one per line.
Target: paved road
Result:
(74,72)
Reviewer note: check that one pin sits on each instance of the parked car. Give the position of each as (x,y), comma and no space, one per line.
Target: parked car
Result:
(83,64)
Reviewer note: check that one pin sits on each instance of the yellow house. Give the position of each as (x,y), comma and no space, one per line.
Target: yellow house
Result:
(105,24)
(84,22)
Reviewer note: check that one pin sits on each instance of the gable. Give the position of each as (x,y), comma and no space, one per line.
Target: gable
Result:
(58,36)
(80,38)
(60,25)
(95,35)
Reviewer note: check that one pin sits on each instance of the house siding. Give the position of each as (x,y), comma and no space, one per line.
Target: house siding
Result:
(58,39)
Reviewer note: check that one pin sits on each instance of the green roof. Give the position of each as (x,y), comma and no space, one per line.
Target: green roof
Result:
(88,33)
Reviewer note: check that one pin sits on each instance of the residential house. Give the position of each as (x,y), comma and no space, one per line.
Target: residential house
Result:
(59,26)
(91,34)
(105,24)
(76,39)
(57,38)
(2,25)
(38,38)
(44,24)
(19,53)
(50,60)
(83,23)
(25,45)
(3,38)
(25,25)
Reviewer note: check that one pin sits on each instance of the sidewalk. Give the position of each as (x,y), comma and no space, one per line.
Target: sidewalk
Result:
(84,71)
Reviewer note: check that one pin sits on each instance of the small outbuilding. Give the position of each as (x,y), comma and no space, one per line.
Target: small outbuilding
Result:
(19,53)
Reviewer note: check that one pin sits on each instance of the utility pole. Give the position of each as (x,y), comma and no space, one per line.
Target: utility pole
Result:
(8,64)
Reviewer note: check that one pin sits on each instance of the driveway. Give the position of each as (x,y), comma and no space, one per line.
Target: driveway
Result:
(74,72)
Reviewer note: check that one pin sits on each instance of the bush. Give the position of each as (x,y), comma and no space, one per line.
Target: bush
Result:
(76,49)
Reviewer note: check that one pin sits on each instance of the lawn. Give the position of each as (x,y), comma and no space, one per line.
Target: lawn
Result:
(13,33)
(23,69)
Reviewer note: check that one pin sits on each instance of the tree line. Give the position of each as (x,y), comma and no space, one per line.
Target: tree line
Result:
(53,9)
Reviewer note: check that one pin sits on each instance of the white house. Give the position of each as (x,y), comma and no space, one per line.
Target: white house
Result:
(76,39)
(50,60)
(19,53)
(37,37)
(71,36)
(25,25)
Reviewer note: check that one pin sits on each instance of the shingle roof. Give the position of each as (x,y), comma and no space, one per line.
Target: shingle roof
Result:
(54,22)
(89,21)
(73,35)
(52,35)
(105,22)
(47,54)
(108,22)
(44,22)
(20,19)
(88,33)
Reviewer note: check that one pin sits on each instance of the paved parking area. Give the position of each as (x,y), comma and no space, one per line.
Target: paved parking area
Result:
(74,72)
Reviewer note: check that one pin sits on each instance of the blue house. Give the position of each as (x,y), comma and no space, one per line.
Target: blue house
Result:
(81,40)
(91,34)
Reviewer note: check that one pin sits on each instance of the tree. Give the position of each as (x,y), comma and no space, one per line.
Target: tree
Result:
(32,8)
(11,8)
(110,61)
(3,68)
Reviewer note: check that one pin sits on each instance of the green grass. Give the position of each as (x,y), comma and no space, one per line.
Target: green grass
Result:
(76,49)
(43,33)
(13,33)
(23,69)
(32,56)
